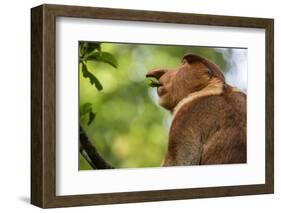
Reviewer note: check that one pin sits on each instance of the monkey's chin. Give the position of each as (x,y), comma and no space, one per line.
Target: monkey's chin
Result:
(165,103)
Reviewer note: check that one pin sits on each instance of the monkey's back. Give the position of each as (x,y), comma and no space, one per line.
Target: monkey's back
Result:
(228,143)
(218,126)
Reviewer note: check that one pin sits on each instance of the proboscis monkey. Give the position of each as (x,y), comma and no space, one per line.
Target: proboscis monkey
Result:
(209,116)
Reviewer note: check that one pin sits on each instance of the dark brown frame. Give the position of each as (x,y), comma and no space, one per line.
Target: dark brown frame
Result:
(43,105)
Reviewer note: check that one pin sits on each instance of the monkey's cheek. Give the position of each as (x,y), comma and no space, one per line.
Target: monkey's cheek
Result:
(164,102)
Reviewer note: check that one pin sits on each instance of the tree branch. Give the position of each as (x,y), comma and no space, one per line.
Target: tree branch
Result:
(86,157)
(90,153)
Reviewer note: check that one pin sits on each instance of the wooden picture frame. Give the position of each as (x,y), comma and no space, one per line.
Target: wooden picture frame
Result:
(43,105)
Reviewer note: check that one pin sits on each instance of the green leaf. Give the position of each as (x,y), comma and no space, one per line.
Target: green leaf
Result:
(103,57)
(93,46)
(85,108)
(92,116)
(152,82)
(82,48)
(87,47)
(93,79)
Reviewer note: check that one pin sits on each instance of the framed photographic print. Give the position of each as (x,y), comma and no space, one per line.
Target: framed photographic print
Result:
(136,106)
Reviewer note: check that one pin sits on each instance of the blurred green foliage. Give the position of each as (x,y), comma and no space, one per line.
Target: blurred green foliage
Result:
(129,128)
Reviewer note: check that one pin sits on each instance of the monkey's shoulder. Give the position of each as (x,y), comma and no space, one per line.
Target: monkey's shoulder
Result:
(198,105)
(211,108)
(237,100)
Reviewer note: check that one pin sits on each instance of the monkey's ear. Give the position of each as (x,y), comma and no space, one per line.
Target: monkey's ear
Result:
(214,69)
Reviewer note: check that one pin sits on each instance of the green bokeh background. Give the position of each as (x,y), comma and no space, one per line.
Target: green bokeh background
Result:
(130,129)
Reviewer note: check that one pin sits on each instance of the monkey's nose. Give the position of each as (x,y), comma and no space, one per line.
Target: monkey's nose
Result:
(155,73)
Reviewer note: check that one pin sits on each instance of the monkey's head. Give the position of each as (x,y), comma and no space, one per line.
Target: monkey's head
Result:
(194,74)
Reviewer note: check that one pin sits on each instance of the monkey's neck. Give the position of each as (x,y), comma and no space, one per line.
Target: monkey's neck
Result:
(214,87)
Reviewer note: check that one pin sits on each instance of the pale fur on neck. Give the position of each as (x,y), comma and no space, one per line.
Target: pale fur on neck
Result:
(215,87)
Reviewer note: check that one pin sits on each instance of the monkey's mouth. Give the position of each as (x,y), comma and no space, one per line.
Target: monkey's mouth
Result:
(161,90)
(154,82)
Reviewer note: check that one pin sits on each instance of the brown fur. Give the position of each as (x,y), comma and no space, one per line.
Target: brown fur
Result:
(209,116)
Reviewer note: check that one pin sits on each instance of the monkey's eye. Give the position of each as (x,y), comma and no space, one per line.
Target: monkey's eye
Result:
(210,73)
(184,61)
